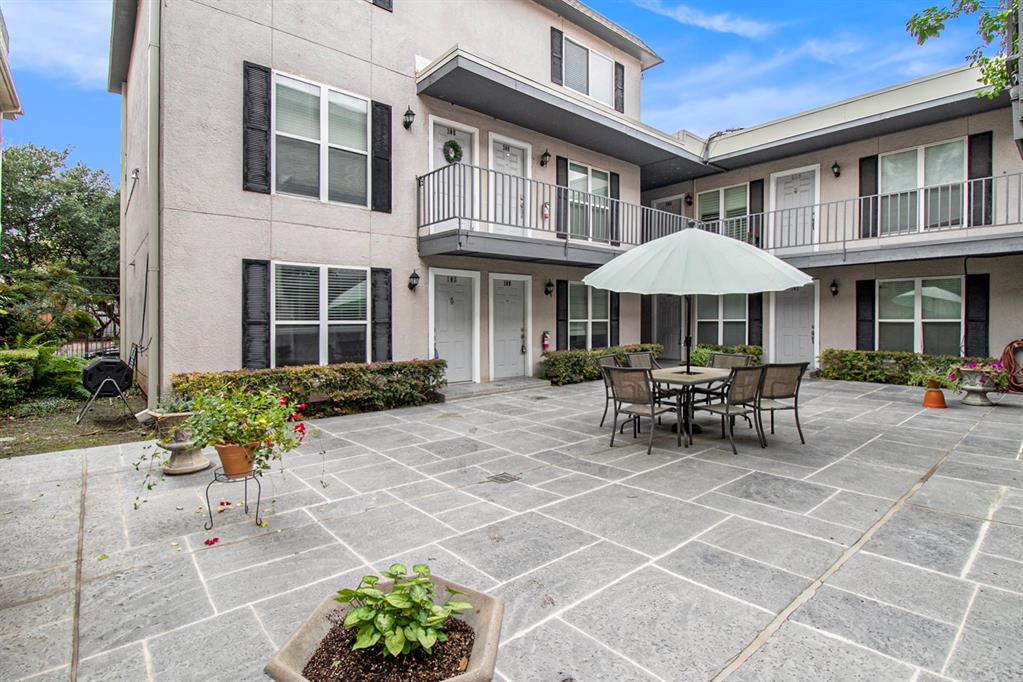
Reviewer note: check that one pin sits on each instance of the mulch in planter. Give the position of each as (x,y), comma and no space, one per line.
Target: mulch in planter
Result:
(334,660)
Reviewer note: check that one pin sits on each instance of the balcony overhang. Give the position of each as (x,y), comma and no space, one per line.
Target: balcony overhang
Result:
(954,247)
(475,244)
(466,80)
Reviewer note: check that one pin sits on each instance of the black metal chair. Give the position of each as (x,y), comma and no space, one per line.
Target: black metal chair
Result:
(741,396)
(602,362)
(781,392)
(636,396)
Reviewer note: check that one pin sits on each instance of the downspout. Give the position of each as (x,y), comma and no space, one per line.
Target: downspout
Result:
(154,181)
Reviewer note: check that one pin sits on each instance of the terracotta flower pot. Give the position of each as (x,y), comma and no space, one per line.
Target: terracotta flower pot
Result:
(933,397)
(236,459)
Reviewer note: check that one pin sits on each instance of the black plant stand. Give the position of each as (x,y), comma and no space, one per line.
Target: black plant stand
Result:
(220,477)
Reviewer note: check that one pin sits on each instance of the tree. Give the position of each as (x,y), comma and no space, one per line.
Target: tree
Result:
(995,25)
(60,220)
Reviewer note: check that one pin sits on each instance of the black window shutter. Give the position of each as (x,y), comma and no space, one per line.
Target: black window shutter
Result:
(619,87)
(561,303)
(646,319)
(978,294)
(755,319)
(980,169)
(256,128)
(561,212)
(756,211)
(385,4)
(615,317)
(381,171)
(614,188)
(557,55)
(868,192)
(255,314)
(865,295)
(380,286)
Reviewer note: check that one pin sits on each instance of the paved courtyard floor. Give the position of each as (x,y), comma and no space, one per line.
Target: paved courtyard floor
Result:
(889,547)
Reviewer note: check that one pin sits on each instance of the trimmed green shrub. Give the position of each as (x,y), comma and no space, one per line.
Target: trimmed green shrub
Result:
(331,389)
(701,353)
(17,367)
(575,366)
(884,367)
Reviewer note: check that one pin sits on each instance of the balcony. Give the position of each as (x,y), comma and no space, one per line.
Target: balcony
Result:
(471,211)
(972,218)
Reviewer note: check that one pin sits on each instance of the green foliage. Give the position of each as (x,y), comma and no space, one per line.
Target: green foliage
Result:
(403,620)
(924,373)
(29,369)
(575,366)
(239,416)
(991,375)
(332,389)
(701,353)
(45,301)
(883,367)
(994,26)
(17,366)
(41,407)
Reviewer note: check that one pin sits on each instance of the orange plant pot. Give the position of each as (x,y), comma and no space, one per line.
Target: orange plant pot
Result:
(236,459)
(933,397)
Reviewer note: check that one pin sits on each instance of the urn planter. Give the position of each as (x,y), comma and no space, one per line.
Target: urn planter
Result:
(185,456)
(484,618)
(976,392)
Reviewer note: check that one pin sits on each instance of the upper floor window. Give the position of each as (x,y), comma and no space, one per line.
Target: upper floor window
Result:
(589,317)
(728,205)
(721,320)
(588,72)
(940,169)
(589,204)
(321,142)
(920,315)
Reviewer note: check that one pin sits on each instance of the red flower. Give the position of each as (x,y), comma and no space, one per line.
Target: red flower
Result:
(302,406)
(283,400)
(295,416)
(211,541)
(225,503)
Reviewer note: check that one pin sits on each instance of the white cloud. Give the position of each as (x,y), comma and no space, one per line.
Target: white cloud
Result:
(721,22)
(62,39)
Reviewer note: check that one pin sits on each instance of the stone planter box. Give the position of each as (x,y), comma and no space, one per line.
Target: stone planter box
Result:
(485,619)
(976,392)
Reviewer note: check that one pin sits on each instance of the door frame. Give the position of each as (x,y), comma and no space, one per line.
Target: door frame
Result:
(471,130)
(773,335)
(493,138)
(772,192)
(528,297)
(474,275)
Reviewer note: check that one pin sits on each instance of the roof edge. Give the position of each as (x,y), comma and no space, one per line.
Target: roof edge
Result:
(605,29)
(122,38)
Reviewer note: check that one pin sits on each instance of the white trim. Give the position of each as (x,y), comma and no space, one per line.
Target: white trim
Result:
(771,339)
(589,192)
(504,139)
(720,319)
(474,275)
(671,197)
(589,319)
(921,186)
(918,321)
(475,132)
(528,312)
(773,181)
(496,138)
(815,330)
(589,72)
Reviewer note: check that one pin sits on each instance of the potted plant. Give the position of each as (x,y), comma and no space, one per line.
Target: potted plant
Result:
(975,379)
(397,629)
(168,420)
(932,379)
(249,429)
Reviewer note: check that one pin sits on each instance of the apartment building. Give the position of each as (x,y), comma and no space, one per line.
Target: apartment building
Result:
(363,180)
(10,103)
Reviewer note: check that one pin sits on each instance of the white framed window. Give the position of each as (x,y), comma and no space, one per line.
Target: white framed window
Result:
(320,314)
(321,142)
(589,202)
(922,315)
(589,317)
(588,72)
(729,205)
(721,320)
(923,187)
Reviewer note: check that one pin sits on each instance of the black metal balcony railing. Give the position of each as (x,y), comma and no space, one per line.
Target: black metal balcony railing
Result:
(459,196)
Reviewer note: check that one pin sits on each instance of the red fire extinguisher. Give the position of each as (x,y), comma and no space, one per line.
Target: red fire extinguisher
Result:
(546,341)
(546,211)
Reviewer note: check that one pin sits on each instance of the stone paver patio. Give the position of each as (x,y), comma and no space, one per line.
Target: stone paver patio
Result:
(890,547)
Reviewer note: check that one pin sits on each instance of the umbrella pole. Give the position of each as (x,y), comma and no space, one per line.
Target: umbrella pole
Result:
(689,330)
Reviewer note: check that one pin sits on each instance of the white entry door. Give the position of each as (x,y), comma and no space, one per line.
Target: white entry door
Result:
(509,188)
(794,199)
(509,332)
(453,326)
(454,192)
(795,325)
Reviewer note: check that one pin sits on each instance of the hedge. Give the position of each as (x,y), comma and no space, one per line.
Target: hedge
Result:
(333,389)
(17,367)
(883,367)
(575,366)
(701,353)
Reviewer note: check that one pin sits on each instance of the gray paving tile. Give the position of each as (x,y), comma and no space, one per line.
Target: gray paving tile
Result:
(972,471)
(688,478)
(739,577)
(986,656)
(522,441)
(797,653)
(264,545)
(867,478)
(462,461)
(785,493)
(527,469)
(986,445)
(852,509)
(412,455)
(930,594)
(640,520)
(889,630)
(281,615)
(127,664)
(926,538)
(993,570)
(583,466)
(957,496)
(454,447)
(32,650)
(473,516)
(1004,540)
(536,595)
(555,651)
(515,496)
(572,484)
(799,523)
(699,629)
(793,552)
(378,477)
(442,563)
(513,546)
(888,452)
(383,438)
(186,654)
(758,462)
(31,599)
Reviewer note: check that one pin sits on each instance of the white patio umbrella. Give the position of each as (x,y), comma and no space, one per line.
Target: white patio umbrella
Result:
(692,262)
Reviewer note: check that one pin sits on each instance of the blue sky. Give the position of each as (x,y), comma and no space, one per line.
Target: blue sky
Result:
(727,64)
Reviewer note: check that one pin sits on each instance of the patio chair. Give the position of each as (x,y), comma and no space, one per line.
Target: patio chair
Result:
(721,361)
(781,392)
(741,396)
(636,396)
(602,362)
(644,360)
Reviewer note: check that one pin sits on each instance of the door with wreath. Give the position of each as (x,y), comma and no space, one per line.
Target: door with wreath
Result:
(454,194)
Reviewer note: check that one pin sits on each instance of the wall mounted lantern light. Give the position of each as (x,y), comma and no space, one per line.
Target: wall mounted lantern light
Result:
(836,169)
(413,281)
(548,288)
(688,198)
(545,158)
(834,287)
(408,118)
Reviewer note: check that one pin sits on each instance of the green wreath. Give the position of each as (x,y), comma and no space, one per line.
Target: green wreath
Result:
(452,151)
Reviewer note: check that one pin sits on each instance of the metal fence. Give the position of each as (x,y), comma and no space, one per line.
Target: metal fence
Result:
(88,347)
